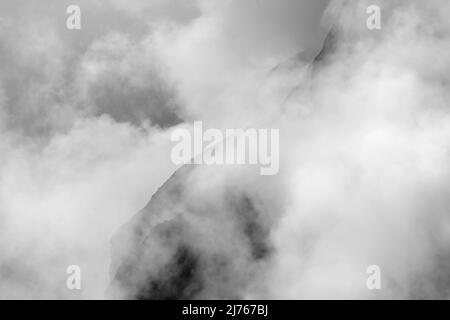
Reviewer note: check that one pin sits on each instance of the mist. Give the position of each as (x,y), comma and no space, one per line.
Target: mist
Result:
(86,119)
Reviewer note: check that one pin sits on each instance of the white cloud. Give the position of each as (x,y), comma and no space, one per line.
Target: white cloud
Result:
(364,147)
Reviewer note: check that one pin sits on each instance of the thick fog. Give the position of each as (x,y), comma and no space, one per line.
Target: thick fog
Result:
(86,118)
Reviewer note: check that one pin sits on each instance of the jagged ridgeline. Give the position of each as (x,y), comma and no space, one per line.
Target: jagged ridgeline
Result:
(189,245)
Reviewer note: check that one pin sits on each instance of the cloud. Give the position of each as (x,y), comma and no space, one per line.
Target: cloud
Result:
(363,178)
(86,117)
(73,143)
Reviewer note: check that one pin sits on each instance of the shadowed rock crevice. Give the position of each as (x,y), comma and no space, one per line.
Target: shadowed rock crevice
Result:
(179,279)
(183,257)
(252,226)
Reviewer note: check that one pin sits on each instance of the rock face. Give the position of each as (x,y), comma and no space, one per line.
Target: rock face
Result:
(192,241)
(200,236)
